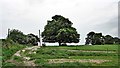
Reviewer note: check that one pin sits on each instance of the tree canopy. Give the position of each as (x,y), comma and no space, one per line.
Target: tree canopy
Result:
(94,38)
(60,30)
(18,37)
(109,39)
(97,38)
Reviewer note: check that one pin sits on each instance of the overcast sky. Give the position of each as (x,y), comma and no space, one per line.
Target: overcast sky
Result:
(29,16)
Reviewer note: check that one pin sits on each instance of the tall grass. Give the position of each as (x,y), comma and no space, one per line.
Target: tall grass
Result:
(8,52)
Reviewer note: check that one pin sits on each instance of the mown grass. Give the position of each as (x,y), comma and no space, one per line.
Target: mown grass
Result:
(91,47)
(43,55)
(63,52)
(44,63)
(58,53)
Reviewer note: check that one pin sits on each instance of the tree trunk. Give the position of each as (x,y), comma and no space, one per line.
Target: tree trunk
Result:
(59,43)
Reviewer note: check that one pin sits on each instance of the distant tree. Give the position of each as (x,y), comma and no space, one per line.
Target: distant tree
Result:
(88,41)
(60,30)
(97,39)
(116,40)
(89,38)
(90,34)
(109,39)
(17,36)
(32,39)
(94,38)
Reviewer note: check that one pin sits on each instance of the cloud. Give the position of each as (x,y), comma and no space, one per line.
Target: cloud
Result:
(31,15)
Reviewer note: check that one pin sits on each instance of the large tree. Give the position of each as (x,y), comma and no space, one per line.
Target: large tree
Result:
(60,30)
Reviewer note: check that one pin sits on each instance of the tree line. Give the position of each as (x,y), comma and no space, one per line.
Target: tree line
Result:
(60,30)
(98,39)
(19,37)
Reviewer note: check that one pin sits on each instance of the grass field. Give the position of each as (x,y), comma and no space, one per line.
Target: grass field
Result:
(7,53)
(76,56)
(90,55)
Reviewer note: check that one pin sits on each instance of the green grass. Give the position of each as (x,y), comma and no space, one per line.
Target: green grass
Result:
(92,47)
(18,59)
(43,55)
(5,64)
(67,64)
(8,52)
(59,53)
(63,52)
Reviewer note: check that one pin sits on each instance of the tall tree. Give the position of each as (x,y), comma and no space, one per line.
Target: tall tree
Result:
(60,30)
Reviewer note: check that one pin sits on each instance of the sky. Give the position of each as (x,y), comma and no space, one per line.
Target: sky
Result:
(29,16)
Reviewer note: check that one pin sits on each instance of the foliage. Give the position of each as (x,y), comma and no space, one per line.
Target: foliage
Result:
(116,40)
(98,39)
(94,38)
(59,27)
(32,39)
(68,35)
(18,37)
(109,39)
